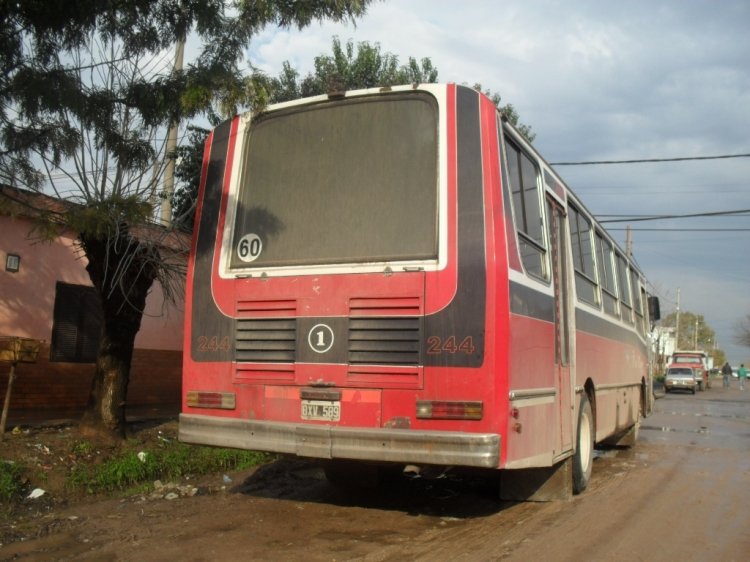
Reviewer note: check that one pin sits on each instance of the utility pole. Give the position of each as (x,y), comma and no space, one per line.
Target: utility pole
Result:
(628,241)
(677,323)
(166,204)
(695,335)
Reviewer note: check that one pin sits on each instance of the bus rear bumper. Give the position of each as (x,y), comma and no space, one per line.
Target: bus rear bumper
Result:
(332,442)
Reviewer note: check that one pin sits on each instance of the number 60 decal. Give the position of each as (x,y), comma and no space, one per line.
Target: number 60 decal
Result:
(249,247)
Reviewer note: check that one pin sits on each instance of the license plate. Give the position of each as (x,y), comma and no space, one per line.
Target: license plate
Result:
(322,410)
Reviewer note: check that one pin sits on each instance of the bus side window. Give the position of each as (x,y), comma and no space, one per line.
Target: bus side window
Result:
(606,274)
(527,208)
(637,302)
(583,258)
(625,294)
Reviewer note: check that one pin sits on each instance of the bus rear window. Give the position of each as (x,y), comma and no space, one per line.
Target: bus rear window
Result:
(340,182)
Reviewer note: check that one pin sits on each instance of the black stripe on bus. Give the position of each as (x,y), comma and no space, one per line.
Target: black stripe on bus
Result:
(531,303)
(463,320)
(600,327)
(207,320)
(526,301)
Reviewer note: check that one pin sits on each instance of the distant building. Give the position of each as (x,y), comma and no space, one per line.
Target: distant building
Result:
(46,294)
(664,342)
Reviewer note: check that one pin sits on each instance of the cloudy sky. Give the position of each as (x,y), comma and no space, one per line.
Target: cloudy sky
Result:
(604,80)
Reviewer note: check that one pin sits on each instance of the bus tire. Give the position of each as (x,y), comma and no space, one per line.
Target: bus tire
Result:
(583,458)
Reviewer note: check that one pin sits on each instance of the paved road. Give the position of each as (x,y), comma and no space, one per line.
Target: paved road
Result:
(683,493)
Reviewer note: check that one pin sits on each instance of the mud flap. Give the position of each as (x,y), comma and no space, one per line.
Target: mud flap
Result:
(543,484)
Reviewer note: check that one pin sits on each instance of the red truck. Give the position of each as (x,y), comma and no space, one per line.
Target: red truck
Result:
(698,361)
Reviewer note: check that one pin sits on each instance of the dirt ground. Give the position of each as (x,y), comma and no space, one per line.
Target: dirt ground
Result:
(682,493)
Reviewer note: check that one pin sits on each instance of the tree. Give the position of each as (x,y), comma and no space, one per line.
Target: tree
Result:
(694,332)
(365,66)
(510,112)
(82,92)
(188,174)
(742,331)
(348,67)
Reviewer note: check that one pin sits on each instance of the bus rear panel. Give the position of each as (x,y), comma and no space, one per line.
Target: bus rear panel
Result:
(396,276)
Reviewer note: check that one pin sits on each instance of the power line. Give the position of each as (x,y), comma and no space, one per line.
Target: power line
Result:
(637,218)
(646,160)
(682,229)
(615,215)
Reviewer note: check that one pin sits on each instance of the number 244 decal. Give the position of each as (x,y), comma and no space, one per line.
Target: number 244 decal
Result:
(213,343)
(437,345)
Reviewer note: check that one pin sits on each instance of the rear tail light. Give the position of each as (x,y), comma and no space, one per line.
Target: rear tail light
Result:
(220,400)
(449,410)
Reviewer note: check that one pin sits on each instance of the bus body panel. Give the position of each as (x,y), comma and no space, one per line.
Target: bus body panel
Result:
(454,363)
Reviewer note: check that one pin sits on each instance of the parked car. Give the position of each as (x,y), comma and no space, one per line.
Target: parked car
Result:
(697,360)
(680,378)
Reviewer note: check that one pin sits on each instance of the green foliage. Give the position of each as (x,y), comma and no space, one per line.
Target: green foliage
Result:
(82,448)
(188,174)
(348,68)
(98,219)
(46,107)
(694,332)
(174,461)
(11,482)
(742,331)
(87,93)
(509,111)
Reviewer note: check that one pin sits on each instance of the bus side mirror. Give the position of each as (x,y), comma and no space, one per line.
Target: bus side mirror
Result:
(653,309)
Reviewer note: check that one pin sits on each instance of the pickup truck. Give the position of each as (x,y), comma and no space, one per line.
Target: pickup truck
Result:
(696,360)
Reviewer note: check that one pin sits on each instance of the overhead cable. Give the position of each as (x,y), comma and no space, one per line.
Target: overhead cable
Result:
(682,229)
(663,217)
(647,160)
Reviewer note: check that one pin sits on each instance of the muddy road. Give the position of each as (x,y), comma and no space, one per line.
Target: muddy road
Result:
(683,493)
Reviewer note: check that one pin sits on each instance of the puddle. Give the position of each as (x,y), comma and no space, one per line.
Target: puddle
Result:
(707,415)
(702,429)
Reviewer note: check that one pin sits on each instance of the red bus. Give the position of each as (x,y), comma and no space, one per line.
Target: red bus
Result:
(395,276)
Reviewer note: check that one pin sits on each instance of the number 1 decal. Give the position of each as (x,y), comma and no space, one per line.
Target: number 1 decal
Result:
(249,247)
(320,338)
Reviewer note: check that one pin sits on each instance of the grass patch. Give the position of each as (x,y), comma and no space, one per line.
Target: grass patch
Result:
(11,482)
(170,461)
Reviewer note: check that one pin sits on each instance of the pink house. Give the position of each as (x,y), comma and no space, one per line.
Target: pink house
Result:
(46,294)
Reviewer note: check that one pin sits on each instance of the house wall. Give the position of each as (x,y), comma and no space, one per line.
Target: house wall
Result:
(27,301)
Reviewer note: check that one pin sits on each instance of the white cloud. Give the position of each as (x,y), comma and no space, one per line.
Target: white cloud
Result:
(601,79)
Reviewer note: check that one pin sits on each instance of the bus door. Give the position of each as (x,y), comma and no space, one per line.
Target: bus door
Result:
(563,383)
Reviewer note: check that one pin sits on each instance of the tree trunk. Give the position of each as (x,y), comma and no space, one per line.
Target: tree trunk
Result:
(123,292)
(105,412)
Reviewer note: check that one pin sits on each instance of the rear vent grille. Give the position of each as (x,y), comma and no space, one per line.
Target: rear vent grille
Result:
(267,307)
(266,340)
(385,341)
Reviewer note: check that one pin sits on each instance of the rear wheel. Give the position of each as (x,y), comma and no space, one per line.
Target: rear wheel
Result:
(584,456)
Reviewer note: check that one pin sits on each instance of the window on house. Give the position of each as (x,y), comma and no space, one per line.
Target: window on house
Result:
(77,324)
